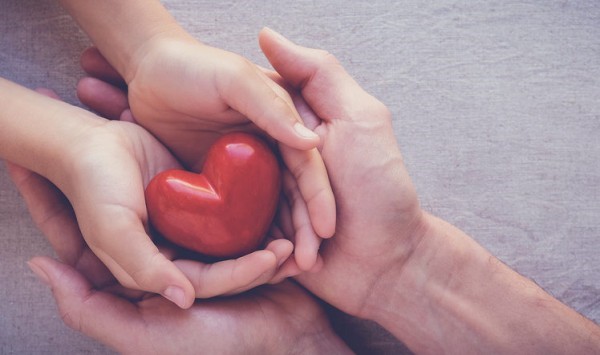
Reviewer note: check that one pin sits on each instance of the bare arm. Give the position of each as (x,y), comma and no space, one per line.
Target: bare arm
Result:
(424,280)
(454,296)
(35,129)
(120,29)
(187,94)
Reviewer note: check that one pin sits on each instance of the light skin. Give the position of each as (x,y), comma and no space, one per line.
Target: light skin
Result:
(271,319)
(101,167)
(425,281)
(188,94)
(210,92)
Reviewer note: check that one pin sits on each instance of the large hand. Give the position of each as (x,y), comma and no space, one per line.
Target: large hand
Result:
(378,210)
(113,162)
(269,320)
(272,319)
(189,125)
(424,280)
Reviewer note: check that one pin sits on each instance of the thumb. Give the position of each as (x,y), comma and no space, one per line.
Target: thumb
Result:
(325,85)
(102,316)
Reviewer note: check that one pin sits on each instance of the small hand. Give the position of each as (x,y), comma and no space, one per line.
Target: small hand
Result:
(106,206)
(270,319)
(188,124)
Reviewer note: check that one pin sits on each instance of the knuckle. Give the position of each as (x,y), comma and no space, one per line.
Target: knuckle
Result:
(326,58)
(300,167)
(144,275)
(239,67)
(381,110)
(69,320)
(141,279)
(280,105)
(128,283)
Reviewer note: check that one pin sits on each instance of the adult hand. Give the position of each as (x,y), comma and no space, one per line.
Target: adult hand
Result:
(270,319)
(190,132)
(424,280)
(379,216)
(111,164)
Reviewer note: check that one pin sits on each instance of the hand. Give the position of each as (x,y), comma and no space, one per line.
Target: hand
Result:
(379,216)
(188,118)
(422,279)
(113,163)
(271,319)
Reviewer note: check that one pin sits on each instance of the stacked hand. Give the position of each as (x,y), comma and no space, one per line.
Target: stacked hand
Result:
(346,129)
(374,193)
(137,322)
(378,212)
(188,94)
(114,161)
(425,281)
(422,279)
(90,298)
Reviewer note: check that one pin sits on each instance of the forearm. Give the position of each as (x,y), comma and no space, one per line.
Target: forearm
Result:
(38,131)
(454,296)
(121,29)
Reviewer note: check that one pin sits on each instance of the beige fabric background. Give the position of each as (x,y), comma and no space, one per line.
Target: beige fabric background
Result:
(496,105)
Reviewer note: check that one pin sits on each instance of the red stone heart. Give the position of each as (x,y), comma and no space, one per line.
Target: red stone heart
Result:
(226,210)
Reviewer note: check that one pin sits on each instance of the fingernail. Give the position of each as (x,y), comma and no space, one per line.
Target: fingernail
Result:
(304,132)
(176,295)
(41,275)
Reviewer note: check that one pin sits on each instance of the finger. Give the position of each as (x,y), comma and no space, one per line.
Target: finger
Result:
(48,92)
(102,316)
(94,63)
(231,276)
(288,269)
(250,92)
(102,97)
(122,244)
(310,119)
(282,249)
(324,83)
(309,171)
(284,219)
(306,242)
(127,116)
(111,217)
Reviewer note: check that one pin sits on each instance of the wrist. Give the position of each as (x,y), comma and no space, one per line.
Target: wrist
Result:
(122,29)
(420,290)
(38,131)
(452,295)
(154,43)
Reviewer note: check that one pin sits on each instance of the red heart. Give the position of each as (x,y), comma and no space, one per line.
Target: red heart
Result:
(226,210)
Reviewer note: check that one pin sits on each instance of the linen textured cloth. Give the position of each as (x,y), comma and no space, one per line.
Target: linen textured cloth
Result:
(496,106)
